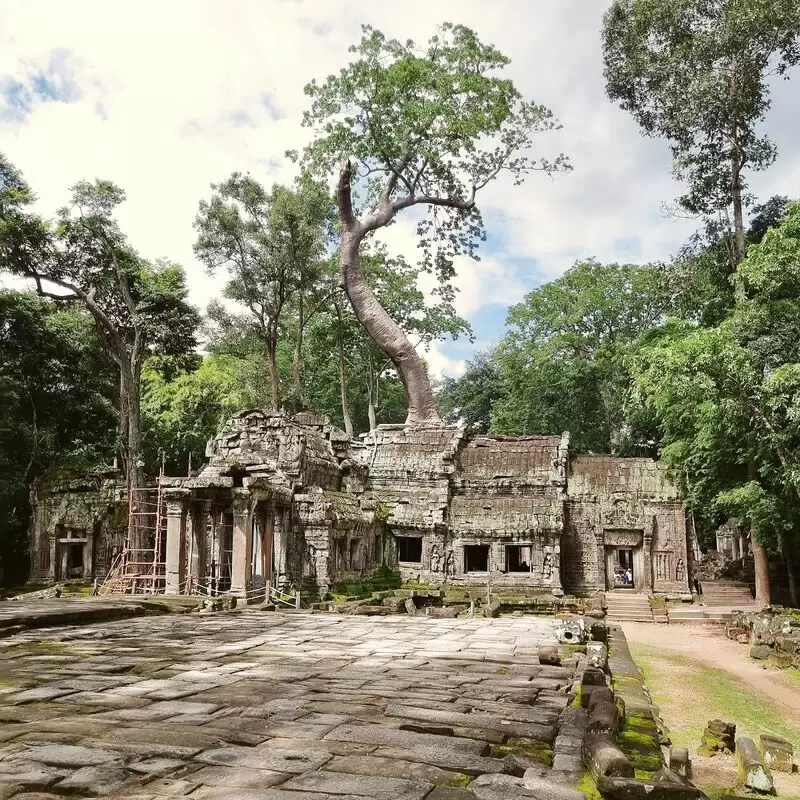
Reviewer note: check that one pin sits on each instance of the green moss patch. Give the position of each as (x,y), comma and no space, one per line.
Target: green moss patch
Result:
(522,746)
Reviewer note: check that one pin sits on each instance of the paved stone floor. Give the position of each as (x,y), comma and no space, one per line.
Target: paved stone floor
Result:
(271,706)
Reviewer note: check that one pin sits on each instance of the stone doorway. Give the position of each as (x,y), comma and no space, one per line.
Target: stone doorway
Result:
(624,560)
(620,569)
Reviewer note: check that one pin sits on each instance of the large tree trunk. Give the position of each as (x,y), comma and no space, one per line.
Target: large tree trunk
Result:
(786,552)
(760,561)
(348,421)
(738,212)
(761,565)
(122,427)
(271,354)
(371,388)
(131,389)
(296,379)
(296,357)
(387,334)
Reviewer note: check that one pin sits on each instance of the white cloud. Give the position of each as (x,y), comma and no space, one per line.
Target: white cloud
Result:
(165,98)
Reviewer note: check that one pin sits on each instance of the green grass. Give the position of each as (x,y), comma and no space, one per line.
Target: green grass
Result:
(723,696)
(698,693)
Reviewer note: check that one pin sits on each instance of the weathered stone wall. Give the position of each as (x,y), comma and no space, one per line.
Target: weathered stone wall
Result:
(85,514)
(296,501)
(624,501)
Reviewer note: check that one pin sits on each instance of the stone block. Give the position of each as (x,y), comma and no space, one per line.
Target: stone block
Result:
(492,610)
(597,654)
(571,631)
(603,717)
(592,676)
(441,612)
(760,651)
(679,761)
(603,758)
(101,781)
(411,607)
(661,786)
(340,783)
(548,655)
(718,737)
(753,773)
(777,753)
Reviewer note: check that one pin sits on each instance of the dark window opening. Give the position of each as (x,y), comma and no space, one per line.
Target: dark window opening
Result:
(476,558)
(409,548)
(519,558)
(75,561)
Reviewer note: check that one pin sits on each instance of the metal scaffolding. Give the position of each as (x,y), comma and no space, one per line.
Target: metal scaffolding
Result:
(140,568)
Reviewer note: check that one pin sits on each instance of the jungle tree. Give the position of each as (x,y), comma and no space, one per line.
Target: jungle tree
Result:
(405,127)
(697,74)
(138,308)
(273,245)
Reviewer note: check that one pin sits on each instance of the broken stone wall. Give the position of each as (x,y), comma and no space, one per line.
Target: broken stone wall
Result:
(78,524)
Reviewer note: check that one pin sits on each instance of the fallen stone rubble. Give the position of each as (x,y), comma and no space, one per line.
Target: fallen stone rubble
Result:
(772,634)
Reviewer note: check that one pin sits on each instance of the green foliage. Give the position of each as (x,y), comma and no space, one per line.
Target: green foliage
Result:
(728,396)
(697,74)
(56,405)
(274,247)
(138,309)
(180,415)
(471,398)
(561,364)
(426,125)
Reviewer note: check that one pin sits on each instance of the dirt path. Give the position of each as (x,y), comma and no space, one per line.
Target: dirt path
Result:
(710,646)
(696,674)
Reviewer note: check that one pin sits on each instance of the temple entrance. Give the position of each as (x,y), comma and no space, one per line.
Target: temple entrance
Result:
(620,569)
(624,560)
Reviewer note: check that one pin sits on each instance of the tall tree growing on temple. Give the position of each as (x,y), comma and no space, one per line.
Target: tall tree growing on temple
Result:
(367,376)
(697,74)
(83,257)
(273,245)
(407,127)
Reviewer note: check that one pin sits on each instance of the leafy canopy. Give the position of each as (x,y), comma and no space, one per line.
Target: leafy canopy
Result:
(427,126)
(696,72)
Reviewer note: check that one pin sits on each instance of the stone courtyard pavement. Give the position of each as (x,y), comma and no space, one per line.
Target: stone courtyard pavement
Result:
(282,706)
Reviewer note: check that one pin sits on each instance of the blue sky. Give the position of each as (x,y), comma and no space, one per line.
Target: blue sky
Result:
(166,98)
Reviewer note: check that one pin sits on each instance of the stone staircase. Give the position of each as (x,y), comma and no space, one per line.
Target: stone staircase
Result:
(628,606)
(730,594)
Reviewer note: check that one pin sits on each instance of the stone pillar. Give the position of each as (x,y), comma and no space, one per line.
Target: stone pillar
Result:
(647,565)
(176,540)
(279,536)
(241,565)
(603,574)
(200,512)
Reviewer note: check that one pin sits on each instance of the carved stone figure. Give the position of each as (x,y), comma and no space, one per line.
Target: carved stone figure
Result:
(449,564)
(680,571)
(436,559)
(547,567)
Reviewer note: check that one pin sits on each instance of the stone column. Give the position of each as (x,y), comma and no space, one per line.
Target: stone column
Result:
(176,540)
(603,573)
(279,548)
(200,512)
(241,564)
(647,563)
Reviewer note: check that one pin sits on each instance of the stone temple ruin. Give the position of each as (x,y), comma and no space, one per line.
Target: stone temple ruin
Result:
(293,502)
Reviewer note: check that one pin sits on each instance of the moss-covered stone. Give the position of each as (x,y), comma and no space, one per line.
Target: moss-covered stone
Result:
(523,746)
